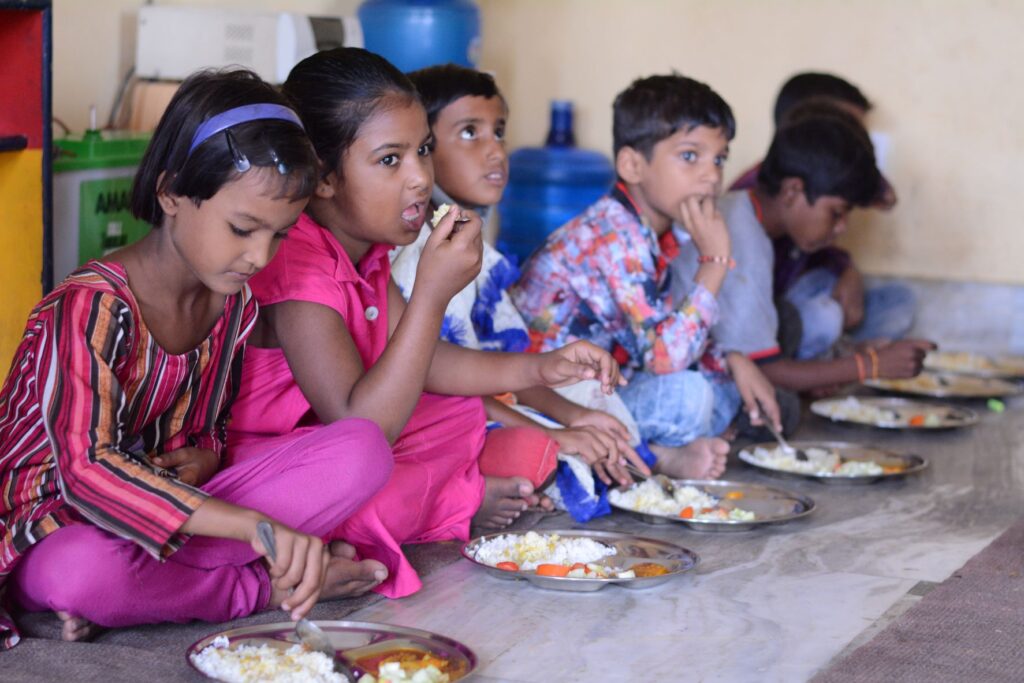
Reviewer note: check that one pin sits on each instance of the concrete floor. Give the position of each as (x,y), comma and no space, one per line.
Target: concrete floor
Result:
(777,604)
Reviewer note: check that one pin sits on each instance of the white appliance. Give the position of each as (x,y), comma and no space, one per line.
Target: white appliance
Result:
(174,41)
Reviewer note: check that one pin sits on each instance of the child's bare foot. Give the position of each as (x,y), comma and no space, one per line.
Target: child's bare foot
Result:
(76,628)
(347,577)
(545,503)
(703,458)
(504,500)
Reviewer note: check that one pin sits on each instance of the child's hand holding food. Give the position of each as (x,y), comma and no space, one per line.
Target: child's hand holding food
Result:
(452,256)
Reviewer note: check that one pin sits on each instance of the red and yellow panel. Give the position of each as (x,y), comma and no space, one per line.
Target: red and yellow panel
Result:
(22,113)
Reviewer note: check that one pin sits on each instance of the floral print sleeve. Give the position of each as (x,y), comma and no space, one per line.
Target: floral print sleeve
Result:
(601,277)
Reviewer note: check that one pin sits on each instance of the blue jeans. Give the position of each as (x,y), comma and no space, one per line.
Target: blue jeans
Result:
(888,313)
(675,409)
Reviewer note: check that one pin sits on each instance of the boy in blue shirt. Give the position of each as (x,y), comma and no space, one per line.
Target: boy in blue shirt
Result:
(603,276)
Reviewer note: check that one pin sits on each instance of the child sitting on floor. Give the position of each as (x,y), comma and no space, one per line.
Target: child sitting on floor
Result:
(825,287)
(467,115)
(603,276)
(116,511)
(336,339)
(819,166)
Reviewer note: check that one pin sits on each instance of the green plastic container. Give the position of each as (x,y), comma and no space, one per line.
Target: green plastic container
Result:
(92,184)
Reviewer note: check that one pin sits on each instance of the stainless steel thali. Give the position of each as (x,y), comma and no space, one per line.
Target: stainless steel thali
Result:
(977,364)
(630,550)
(948,385)
(771,505)
(895,465)
(353,640)
(894,413)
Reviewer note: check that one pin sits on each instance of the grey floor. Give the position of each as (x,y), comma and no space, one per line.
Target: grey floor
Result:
(778,604)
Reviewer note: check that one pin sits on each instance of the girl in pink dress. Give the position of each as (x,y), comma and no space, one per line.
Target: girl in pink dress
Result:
(112,419)
(336,339)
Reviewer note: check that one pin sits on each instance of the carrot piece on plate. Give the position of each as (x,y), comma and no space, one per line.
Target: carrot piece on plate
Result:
(508,566)
(553,570)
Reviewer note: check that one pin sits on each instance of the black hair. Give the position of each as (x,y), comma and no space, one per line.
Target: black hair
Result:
(441,85)
(267,143)
(808,85)
(654,108)
(828,149)
(336,91)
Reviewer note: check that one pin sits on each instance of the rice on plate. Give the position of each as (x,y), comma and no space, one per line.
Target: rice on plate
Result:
(251,664)
(689,503)
(820,461)
(549,555)
(851,409)
(256,664)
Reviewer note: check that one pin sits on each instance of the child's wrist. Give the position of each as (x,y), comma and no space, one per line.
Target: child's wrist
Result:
(435,304)
(537,368)
(859,362)
(873,357)
(717,260)
(573,413)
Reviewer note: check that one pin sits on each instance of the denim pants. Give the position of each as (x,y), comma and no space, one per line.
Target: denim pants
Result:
(888,313)
(677,408)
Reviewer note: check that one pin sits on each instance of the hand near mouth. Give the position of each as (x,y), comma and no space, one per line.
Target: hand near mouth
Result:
(706,226)
(453,254)
(461,216)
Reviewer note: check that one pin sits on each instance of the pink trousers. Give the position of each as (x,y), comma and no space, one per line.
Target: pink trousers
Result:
(310,480)
(433,493)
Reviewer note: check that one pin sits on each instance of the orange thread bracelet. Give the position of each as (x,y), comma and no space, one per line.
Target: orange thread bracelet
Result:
(723,260)
(873,355)
(860,367)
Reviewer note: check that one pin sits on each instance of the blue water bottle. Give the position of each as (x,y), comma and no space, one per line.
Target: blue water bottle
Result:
(549,185)
(412,34)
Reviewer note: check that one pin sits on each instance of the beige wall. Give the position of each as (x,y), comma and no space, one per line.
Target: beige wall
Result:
(945,74)
(94,46)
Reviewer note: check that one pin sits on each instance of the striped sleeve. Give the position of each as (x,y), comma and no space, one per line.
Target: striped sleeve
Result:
(83,407)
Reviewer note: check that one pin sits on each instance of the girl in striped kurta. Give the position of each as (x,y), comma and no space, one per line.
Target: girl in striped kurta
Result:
(113,416)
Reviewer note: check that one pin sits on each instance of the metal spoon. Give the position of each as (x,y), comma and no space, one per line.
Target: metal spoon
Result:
(798,453)
(786,448)
(310,635)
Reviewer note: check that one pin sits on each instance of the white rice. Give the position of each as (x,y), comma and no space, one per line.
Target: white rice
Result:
(853,410)
(966,361)
(820,461)
(531,549)
(253,664)
(649,497)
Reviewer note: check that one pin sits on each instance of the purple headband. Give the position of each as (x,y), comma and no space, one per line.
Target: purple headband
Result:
(243,114)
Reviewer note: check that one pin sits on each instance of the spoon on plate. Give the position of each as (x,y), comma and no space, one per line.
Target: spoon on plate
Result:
(798,453)
(661,480)
(310,635)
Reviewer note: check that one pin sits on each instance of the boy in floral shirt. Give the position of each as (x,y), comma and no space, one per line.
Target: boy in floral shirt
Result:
(603,276)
